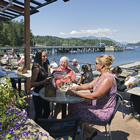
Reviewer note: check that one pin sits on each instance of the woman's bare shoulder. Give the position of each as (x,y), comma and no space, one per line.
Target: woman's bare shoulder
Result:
(108,79)
(35,70)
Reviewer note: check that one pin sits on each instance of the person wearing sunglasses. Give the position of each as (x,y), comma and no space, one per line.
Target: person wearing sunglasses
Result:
(122,86)
(98,105)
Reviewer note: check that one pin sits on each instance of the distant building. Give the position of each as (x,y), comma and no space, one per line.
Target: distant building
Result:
(101,44)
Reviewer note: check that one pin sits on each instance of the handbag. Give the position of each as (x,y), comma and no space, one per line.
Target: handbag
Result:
(50,89)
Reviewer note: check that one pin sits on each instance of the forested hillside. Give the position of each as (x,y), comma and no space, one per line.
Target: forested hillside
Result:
(12,35)
(135,44)
(56,41)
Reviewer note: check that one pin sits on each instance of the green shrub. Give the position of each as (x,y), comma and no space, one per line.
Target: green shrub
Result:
(10,114)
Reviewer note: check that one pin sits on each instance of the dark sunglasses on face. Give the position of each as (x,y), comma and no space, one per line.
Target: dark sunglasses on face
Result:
(96,63)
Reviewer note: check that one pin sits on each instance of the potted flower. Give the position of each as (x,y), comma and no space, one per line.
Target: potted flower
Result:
(11,103)
(13,117)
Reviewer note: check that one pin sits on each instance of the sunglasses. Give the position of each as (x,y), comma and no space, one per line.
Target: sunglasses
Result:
(96,63)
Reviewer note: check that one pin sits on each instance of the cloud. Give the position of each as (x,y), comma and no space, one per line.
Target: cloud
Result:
(62,33)
(96,32)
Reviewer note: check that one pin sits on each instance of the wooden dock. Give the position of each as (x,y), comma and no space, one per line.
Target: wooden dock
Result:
(132,65)
(128,68)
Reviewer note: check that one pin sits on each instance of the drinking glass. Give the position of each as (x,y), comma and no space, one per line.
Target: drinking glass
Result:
(63,87)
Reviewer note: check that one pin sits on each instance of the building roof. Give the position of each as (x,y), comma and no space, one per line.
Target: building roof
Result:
(10,9)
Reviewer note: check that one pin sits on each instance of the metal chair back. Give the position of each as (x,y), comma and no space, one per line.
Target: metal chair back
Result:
(118,103)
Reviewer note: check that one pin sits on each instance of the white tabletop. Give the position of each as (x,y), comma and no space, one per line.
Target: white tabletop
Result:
(28,74)
(15,75)
(135,91)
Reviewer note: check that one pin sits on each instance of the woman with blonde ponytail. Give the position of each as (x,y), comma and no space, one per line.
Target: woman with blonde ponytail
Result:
(98,105)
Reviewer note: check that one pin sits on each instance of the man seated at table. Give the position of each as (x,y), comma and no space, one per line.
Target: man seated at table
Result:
(53,65)
(3,74)
(74,66)
(69,77)
(122,86)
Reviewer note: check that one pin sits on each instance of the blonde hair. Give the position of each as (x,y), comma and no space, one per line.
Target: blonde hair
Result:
(64,58)
(106,60)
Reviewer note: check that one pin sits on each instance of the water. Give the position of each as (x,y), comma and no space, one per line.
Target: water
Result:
(120,57)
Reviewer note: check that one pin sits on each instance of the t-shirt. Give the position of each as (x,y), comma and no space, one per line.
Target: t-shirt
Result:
(53,65)
(76,68)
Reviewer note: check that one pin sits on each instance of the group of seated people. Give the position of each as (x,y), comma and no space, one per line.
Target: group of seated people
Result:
(10,55)
(20,59)
(98,105)
(84,76)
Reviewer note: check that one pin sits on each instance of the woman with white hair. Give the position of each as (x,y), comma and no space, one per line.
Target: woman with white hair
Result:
(64,67)
(70,77)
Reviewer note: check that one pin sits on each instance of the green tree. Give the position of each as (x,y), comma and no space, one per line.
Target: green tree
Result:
(12,34)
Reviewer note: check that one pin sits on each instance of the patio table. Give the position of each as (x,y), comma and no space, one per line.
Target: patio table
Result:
(14,75)
(61,99)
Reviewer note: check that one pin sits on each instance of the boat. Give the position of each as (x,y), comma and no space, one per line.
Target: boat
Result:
(129,48)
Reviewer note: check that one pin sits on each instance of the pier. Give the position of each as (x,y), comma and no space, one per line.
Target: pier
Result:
(65,49)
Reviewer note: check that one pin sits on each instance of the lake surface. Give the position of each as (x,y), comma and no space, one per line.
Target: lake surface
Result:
(120,57)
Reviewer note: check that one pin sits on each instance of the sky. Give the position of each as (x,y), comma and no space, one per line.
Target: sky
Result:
(115,19)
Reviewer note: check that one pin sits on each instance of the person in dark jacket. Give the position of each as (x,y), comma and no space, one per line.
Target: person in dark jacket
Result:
(38,80)
(121,87)
(120,84)
(86,76)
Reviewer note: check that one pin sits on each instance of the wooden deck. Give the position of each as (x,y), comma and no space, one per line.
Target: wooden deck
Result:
(122,129)
(131,65)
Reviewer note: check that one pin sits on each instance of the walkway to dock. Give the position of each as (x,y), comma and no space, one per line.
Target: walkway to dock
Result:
(129,65)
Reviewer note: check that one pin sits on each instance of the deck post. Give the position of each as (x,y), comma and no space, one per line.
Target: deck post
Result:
(27,41)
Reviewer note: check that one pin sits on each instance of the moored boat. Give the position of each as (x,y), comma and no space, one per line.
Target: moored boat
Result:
(129,48)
